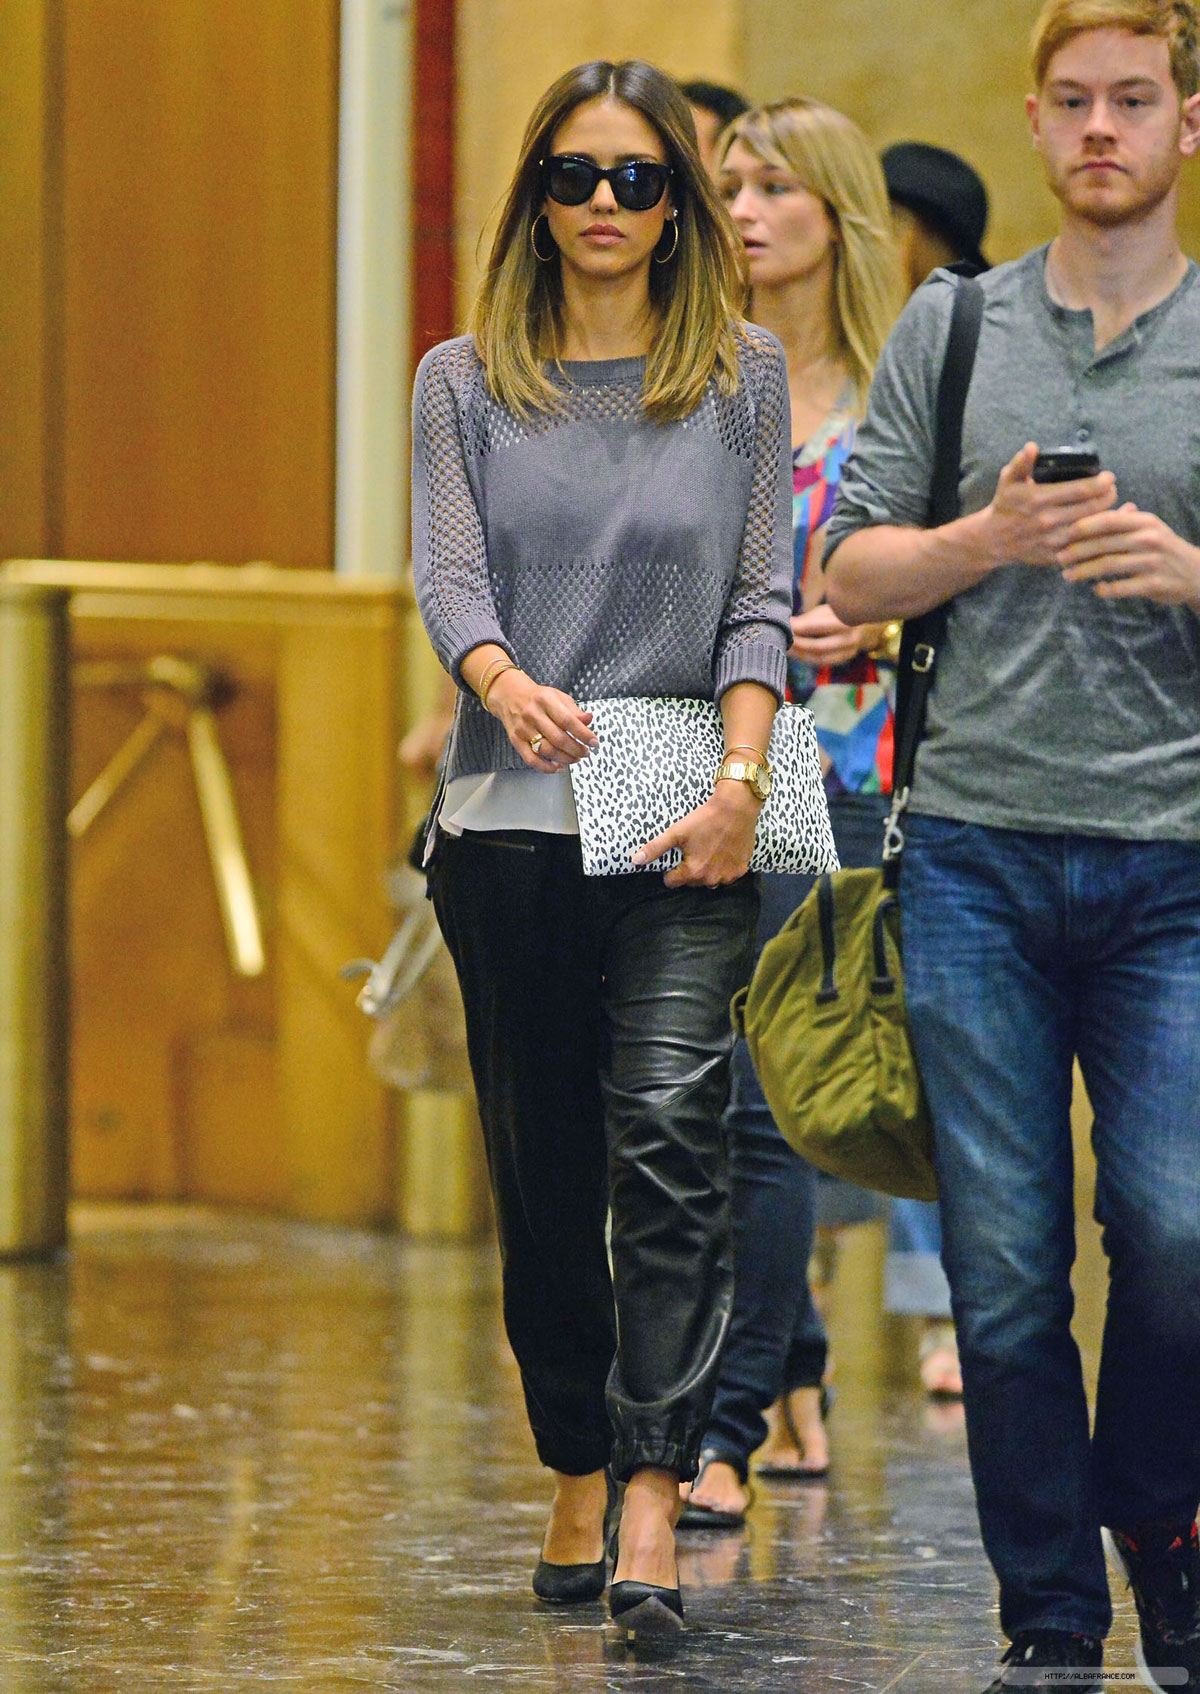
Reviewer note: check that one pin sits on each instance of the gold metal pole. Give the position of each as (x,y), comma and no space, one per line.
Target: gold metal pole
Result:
(116,773)
(231,872)
(34,996)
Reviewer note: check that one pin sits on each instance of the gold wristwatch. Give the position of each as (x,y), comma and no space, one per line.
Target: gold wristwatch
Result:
(756,775)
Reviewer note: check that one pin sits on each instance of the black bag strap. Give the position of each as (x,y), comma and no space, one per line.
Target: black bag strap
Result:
(922,637)
(825,924)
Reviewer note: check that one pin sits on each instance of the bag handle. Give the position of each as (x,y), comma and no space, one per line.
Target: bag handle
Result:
(922,637)
(883,982)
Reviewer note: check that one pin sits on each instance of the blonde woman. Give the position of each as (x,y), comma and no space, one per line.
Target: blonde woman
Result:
(807,194)
(601,507)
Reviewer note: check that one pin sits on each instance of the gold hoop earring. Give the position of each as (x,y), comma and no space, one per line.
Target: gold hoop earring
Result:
(666,258)
(543,258)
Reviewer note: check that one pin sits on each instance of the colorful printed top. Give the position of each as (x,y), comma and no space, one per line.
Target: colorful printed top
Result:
(851,703)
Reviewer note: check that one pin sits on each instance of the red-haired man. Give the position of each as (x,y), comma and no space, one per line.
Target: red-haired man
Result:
(1051,884)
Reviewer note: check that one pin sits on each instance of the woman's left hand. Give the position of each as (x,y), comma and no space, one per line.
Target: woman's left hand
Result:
(819,637)
(717,839)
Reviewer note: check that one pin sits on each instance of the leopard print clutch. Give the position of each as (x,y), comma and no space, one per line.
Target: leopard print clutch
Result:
(655,763)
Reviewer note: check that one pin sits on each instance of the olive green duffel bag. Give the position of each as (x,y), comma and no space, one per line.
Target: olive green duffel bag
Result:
(824,1020)
(824,1014)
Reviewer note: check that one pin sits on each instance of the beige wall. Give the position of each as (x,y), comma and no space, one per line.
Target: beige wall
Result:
(913,70)
(925,70)
(945,71)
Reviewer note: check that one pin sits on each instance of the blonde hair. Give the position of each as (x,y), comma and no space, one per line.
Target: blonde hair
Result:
(834,160)
(698,292)
(1175,21)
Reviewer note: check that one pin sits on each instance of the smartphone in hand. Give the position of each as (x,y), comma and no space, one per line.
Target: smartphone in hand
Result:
(1066,464)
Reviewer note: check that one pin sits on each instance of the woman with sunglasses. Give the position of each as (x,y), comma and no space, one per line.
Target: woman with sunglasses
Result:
(601,508)
(807,194)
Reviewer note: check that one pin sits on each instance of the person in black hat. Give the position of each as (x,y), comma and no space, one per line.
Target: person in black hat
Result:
(941,208)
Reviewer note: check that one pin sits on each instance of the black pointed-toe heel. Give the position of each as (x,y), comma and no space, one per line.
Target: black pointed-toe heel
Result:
(575,1585)
(569,1585)
(642,1609)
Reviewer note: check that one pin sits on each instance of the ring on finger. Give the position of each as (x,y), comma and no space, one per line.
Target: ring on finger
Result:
(535,744)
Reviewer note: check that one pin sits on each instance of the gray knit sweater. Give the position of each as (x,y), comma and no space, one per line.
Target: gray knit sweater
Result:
(608,555)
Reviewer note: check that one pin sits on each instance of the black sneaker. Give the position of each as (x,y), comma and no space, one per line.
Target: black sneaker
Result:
(1051,1659)
(1163,1567)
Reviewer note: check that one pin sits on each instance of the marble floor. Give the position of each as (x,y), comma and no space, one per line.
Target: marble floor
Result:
(237,1453)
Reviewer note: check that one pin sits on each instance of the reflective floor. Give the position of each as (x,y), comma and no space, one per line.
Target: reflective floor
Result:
(241,1454)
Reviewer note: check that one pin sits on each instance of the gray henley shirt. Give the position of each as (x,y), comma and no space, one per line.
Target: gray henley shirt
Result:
(608,555)
(1054,710)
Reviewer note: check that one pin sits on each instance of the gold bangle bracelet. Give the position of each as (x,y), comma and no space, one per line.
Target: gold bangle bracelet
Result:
(491,665)
(490,676)
(745,747)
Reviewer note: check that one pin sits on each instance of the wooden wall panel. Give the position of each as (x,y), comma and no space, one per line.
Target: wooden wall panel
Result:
(199,228)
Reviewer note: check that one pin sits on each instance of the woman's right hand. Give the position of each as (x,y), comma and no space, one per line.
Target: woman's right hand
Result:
(529,709)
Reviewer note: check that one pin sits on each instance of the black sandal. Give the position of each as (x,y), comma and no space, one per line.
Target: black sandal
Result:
(694,1514)
(798,1473)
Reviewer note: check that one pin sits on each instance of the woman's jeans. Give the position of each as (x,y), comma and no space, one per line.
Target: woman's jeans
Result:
(598,1028)
(1022,951)
(776,1337)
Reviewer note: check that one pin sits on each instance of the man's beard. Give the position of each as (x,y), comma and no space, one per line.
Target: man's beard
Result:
(1106,214)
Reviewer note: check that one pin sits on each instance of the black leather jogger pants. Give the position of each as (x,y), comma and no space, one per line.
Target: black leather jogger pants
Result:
(599,1034)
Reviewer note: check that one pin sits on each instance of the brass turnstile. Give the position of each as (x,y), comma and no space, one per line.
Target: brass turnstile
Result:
(34,728)
(199,689)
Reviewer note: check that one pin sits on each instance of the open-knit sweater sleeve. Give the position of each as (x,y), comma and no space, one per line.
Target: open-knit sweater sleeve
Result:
(748,644)
(450,564)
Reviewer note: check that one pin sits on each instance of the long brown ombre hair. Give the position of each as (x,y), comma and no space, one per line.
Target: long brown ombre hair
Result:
(834,160)
(698,294)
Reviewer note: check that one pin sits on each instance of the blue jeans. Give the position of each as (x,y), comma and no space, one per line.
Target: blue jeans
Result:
(1022,951)
(914,1283)
(776,1339)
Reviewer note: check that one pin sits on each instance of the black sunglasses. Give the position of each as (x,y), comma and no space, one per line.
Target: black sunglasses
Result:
(637,185)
